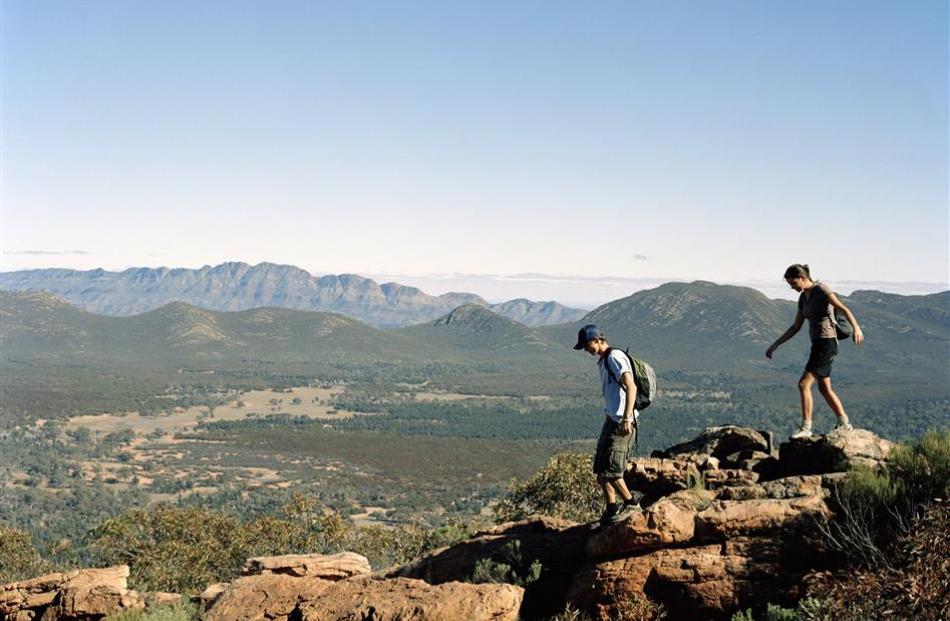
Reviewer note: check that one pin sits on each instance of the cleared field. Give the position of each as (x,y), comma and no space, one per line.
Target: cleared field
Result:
(303,401)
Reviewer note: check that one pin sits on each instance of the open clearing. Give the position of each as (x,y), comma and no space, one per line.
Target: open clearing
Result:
(305,401)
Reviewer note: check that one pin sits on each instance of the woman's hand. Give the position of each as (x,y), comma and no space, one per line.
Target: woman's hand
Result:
(770,351)
(857,336)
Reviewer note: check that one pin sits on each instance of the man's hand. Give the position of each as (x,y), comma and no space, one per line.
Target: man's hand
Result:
(770,351)
(626,427)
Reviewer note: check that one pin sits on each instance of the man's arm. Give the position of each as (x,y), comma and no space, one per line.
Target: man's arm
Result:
(626,423)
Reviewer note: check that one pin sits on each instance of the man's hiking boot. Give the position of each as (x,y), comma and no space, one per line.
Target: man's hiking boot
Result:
(608,515)
(801,433)
(629,509)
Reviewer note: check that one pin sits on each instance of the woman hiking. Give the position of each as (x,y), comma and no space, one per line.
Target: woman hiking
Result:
(817,303)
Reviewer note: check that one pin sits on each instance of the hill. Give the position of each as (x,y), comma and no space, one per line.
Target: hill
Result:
(238,286)
(480,333)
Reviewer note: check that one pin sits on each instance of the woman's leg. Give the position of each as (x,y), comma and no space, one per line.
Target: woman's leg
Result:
(824,387)
(804,389)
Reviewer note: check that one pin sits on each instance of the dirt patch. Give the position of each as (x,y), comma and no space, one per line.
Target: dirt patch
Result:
(303,401)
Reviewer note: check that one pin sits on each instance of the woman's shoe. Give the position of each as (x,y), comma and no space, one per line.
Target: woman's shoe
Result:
(802,433)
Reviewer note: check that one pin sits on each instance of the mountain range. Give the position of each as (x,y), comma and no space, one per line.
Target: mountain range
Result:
(238,286)
(697,327)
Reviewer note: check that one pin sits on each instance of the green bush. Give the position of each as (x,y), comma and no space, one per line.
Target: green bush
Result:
(875,508)
(564,488)
(19,560)
(181,611)
(508,566)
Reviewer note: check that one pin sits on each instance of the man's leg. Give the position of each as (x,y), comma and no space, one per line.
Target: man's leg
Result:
(621,487)
(610,496)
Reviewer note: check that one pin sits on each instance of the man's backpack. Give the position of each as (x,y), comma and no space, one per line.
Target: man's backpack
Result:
(643,376)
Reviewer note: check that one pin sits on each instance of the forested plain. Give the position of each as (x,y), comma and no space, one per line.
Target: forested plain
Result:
(434,433)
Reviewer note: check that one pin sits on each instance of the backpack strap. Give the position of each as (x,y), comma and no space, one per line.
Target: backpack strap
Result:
(610,371)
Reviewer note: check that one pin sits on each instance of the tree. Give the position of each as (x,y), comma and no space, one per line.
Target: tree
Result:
(18,558)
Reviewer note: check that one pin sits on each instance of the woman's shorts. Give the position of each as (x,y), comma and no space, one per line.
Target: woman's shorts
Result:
(823,352)
(610,460)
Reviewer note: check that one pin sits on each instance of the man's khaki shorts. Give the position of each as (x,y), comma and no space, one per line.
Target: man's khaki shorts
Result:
(610,460)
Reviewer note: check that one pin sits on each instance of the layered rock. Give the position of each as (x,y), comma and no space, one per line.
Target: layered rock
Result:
(728,526)
(729,522)
(340,587)
(79,594)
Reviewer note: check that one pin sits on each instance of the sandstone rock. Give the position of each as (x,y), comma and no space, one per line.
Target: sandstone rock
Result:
(77,594)
(668,521)
(277,596)
(211,594)
(720,442)
(725,519)
(835,452)
(700,582)
(268,596)
(692,579)
(557,544)
(328,567)
(551,541)
(659,477)
(794,486)
(398,599)
(715,479)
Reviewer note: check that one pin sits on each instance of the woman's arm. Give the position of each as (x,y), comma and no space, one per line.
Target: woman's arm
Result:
(799,320)
(857,335)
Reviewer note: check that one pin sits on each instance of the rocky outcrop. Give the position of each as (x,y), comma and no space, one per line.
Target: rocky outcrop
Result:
(80,594)
(327,567)
(836,452)
(721,532)
(339,587)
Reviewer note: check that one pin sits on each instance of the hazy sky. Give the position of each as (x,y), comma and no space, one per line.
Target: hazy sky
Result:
(631,140)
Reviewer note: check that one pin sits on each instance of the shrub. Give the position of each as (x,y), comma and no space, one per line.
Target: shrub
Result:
(915,588)
(19,560)
(181,611)
(508,566)
(564,488)
(875,508)
(171,548)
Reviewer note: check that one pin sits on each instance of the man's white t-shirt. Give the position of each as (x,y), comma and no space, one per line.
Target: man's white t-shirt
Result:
(615,395)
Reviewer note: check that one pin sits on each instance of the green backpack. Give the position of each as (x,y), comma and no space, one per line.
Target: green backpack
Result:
(643,376)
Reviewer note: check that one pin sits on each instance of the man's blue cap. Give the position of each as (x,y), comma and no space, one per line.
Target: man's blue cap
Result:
(587,333)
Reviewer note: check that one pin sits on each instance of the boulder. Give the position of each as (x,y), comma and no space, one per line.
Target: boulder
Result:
(281,596)
(725,518)
(835,452)
(729,477)
(657,477)
(398,599)
(721,442)
(668,521)
(697,582)
(79,594)
(326,566)
(558,545)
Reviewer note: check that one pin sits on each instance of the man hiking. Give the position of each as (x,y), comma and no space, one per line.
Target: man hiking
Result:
(619,431)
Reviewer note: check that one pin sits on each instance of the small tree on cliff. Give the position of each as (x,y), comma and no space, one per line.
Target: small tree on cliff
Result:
(18,558)
(563,488)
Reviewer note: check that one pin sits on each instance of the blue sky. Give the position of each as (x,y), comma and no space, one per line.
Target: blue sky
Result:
(468,142)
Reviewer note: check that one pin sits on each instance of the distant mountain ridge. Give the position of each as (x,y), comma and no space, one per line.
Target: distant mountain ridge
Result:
(237,286)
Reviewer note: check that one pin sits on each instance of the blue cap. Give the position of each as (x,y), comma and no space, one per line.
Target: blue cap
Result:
(587,333)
